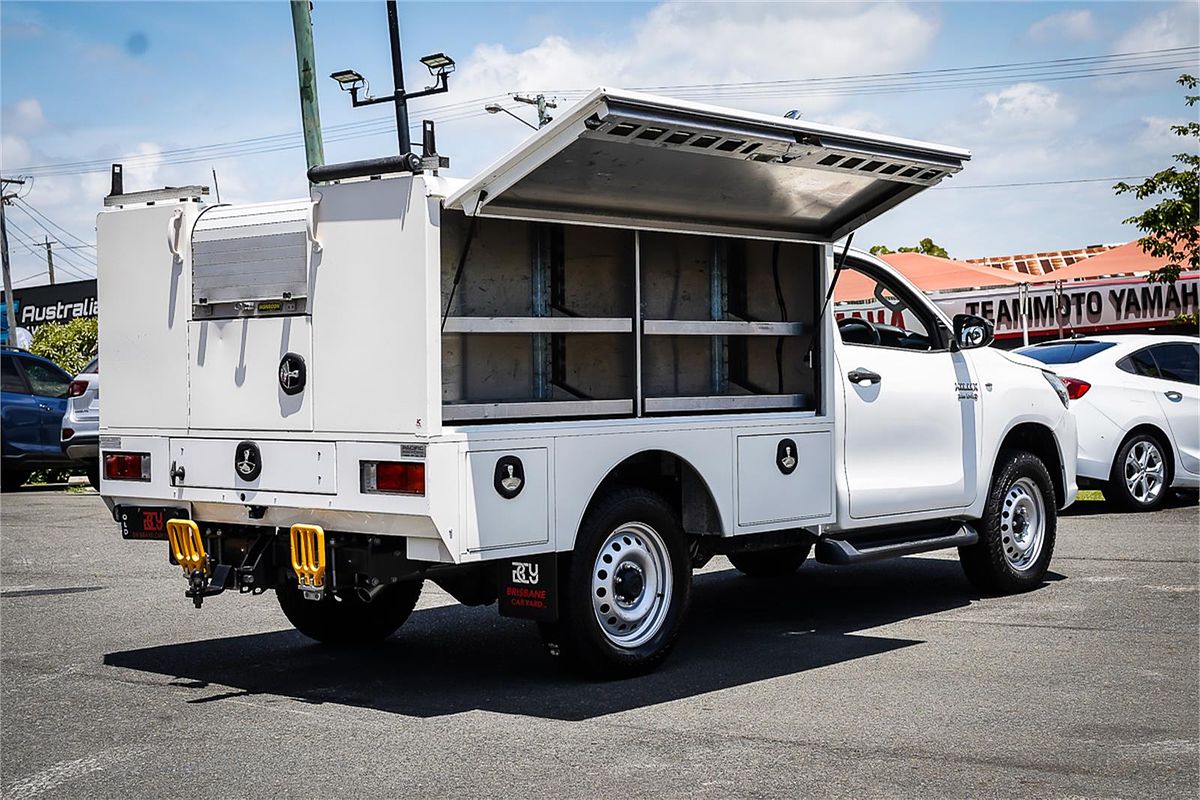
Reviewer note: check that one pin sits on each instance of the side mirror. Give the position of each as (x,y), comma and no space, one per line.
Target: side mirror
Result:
(971,331)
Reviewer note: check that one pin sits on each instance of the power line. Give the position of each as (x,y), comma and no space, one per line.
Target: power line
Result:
(87,258)
(31,243)
(1044,183)
(27,207)
(1083,67)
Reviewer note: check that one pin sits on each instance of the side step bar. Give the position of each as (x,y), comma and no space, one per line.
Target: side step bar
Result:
(842,551)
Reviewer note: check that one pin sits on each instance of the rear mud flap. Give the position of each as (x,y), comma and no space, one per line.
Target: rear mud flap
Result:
(528,587)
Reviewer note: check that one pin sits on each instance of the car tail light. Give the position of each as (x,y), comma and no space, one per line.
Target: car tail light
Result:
(127,466)
(393,477)
(76,388)
(1076,388)
(67,433)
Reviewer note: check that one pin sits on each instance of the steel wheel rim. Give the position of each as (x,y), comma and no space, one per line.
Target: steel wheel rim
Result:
(631,585)
(1023,524)
(1145,472)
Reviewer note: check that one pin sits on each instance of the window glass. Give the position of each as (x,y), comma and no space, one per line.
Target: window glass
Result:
(871,312)
(92,367)
(13,382)
(1064,352)
(1140,363)
(1177,362)
(45,380)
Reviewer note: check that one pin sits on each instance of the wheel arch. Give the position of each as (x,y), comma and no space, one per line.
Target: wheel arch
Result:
(669,474)
(1039,439)
(1150,429)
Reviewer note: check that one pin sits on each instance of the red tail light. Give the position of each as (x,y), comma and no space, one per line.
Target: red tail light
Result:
(127,466)
(67,433)
(393,477)
(1075,387)
(77,388)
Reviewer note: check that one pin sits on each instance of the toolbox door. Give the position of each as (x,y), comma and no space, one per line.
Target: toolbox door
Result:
(626,159)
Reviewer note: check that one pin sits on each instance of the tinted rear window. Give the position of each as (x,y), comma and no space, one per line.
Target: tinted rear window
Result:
(1064,352)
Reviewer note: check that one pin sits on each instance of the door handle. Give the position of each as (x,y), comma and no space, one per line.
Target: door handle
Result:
(860,375)
(1173,396)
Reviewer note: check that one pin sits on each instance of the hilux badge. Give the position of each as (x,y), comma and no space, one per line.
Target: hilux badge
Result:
(292,374)
(247,461)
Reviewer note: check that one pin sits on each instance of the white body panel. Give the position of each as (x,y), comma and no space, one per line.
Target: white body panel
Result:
(1119,401)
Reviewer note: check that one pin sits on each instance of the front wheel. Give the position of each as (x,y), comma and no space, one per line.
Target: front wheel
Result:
(348,619)
(1138,480)
(626,588)
(1017,531)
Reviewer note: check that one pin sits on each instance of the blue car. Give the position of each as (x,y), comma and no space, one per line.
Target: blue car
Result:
(32,405)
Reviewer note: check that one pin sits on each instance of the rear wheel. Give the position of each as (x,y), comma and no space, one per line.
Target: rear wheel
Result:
(775,563)
(1138,481)
(348,619)
(626,588)
(1017,531)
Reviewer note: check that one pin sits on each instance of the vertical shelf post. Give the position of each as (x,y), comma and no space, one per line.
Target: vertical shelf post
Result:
(717,299)
(638,315)
(539,287)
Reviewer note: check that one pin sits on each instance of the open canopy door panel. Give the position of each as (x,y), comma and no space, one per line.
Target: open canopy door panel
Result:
(620,158)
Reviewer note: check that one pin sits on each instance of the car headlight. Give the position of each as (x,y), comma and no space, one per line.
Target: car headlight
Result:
(1058,386)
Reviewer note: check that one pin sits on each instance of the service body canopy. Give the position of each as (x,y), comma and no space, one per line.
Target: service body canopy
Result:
(633,160)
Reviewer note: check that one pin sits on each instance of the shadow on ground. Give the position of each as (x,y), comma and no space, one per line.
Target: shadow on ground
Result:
(453,659)
(1085,508)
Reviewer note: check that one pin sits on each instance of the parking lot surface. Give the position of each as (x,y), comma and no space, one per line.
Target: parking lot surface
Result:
(884,680)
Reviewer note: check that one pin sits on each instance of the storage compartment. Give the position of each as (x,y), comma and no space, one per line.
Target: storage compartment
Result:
(508,499)
(784,477)
(728,323)
(540,323)
(574,321)
(283,466)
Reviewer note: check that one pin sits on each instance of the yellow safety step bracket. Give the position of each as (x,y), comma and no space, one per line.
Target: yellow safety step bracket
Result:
(187,545)
(308,555)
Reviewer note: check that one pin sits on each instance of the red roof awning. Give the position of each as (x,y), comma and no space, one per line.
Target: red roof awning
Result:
(1128,259)
(929,274)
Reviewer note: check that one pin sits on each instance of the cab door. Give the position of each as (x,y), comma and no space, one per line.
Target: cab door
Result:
(911,407)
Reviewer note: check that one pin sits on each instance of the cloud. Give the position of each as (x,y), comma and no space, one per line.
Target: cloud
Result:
(24,118)
(1177,26)
(1027,110)
(703,43)
(1156,136)
(1076,25)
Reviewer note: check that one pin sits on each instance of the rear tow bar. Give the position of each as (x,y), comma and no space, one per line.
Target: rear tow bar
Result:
(187,546)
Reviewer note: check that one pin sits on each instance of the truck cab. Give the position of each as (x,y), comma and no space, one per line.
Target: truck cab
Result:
(638,341)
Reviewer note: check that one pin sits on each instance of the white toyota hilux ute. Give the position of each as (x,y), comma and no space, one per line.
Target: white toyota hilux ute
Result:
(638,341)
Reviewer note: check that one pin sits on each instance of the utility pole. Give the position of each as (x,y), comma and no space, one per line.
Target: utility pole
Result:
(8,294)
(542,104)
(398,80)
(306,63)
(49,260)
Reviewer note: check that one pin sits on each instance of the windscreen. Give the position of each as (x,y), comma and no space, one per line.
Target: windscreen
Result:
(1064,352)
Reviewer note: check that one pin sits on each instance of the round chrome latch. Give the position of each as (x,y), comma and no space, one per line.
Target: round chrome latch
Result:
(293,374)
(509,478)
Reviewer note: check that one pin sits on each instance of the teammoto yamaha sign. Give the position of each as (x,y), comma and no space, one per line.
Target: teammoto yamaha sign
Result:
(1050,308)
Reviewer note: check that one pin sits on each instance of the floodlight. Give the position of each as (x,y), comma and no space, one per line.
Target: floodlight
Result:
(348,79)
(438,64)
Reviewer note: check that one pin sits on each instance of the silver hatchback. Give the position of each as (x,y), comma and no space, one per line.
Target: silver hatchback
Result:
(81,423)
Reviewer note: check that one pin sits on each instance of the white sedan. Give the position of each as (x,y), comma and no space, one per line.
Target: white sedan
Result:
(1137,405)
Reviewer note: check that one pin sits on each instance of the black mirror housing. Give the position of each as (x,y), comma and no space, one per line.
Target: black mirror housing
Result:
(971,331)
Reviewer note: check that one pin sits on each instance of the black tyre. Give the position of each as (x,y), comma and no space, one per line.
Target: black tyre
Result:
(93,474)
(13,479)
(1140,476)
(349,619)
(775,563)
(1016,533)
(625,588)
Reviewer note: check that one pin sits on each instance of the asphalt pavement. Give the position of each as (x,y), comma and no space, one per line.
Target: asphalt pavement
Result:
(885,680)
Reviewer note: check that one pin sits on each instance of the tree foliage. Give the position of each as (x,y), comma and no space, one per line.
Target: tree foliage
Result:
(1170,224)
(925,247)
(71,345)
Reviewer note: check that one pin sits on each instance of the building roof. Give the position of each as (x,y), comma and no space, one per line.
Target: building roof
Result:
(1041,263)
(1126,259)
(929,274)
